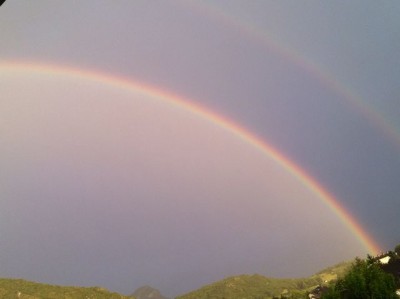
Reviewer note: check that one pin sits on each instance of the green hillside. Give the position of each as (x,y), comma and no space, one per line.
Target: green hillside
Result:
(243,286)
(18,288)
(260,287)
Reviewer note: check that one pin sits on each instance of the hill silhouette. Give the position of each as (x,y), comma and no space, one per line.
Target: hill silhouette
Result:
(147,292)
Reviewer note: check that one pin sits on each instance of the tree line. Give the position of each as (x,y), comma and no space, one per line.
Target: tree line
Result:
(368,279)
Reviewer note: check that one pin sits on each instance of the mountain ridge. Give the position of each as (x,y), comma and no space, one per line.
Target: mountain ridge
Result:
(240,286)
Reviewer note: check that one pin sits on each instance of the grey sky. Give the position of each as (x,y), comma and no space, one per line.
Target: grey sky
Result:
(245,60)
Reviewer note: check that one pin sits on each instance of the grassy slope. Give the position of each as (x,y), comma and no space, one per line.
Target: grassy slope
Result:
(9,288)
(257,286)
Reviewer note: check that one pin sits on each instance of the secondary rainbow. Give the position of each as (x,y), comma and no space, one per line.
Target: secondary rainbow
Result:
(189,105)
(267,40)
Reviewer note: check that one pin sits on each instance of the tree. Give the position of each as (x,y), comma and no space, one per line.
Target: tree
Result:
(364,280)
(397,250)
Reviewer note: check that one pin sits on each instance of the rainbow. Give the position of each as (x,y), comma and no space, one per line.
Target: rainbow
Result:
(190,106)
(211,10)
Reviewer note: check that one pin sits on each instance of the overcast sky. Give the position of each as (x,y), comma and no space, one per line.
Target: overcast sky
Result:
(107,186)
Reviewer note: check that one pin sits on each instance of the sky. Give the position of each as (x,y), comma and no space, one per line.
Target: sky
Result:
(125,149)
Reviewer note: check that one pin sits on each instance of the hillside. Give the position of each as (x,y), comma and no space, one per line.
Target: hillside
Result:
(243,286)
(18,288)
(258,286)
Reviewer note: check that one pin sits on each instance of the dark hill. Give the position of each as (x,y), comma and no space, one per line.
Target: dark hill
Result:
(147,292)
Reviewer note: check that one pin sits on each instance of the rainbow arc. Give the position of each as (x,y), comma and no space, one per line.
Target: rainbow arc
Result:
(228,125)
